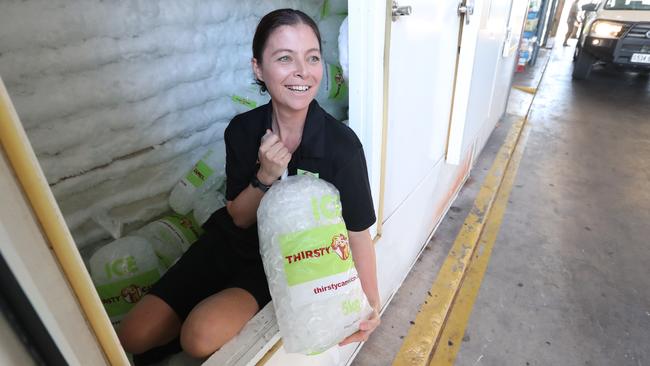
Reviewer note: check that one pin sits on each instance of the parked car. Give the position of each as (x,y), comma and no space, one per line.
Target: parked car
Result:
(614,32)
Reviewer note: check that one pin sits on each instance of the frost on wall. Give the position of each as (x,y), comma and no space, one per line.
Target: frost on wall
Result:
(120,98)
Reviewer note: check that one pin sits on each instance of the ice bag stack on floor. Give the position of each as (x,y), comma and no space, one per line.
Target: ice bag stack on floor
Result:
(123,271)
(316,291)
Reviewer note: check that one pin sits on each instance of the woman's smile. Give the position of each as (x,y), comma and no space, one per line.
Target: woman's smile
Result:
(298,88)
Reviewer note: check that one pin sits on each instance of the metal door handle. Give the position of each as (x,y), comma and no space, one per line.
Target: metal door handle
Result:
(466,10)
(399,11)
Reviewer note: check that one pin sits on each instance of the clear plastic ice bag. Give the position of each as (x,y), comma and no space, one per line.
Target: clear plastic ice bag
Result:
(123,271)
(170,236)
(304,245)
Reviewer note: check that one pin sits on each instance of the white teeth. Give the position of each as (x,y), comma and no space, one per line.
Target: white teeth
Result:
(298,87)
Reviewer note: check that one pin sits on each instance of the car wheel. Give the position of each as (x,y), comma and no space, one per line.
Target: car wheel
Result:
(583,65)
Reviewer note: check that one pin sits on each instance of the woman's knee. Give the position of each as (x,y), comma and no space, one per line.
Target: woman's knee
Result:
(200,337)
(133,337)
(215,320)
(199,343)
(151,323)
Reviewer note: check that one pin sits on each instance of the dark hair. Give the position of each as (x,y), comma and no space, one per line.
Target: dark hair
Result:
(276,19)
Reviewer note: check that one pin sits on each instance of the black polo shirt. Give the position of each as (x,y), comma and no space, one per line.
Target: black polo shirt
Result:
(328,148)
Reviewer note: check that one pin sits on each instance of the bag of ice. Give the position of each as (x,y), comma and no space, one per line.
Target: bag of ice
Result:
(304,245)
(123,271)
(170,236)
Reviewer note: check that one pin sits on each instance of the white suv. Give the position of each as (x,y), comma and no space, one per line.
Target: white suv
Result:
(614,32)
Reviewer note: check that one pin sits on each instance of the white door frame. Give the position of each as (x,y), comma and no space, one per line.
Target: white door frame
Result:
(366,86)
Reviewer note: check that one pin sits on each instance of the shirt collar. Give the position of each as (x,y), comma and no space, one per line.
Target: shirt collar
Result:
(312,144)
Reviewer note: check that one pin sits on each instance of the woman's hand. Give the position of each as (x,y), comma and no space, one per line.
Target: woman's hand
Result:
(274,158)
(365,328)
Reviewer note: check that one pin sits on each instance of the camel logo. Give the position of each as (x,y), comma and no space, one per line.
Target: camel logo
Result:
(131,294)
(341,246)
(188,224)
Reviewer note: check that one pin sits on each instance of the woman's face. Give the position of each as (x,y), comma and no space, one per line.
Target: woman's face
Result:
(291,66)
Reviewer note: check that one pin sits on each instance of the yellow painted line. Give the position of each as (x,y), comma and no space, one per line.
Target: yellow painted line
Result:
(454,328)
(13,140)
(420,342)
(527,89)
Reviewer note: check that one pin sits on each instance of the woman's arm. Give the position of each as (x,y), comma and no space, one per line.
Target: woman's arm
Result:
(274,158)
(243,209)
(363,253)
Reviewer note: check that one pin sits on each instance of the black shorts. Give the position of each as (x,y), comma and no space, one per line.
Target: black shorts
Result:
(210,266)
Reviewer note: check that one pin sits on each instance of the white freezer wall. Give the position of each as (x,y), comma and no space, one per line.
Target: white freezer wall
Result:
(493,69)
(120,98)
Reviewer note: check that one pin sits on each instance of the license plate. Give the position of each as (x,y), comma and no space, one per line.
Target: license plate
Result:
(641,58)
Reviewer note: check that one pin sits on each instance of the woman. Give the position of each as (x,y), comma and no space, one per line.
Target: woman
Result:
(219,284)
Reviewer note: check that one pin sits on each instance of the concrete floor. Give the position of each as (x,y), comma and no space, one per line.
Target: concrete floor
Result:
(569,278)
